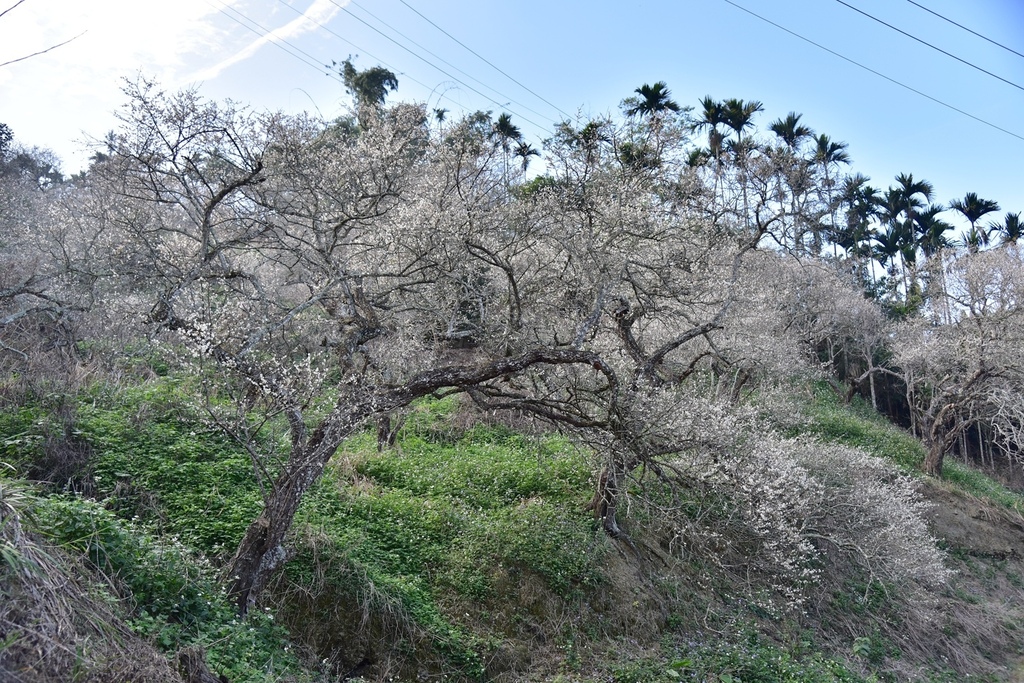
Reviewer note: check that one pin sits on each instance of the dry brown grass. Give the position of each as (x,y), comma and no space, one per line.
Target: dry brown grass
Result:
(56,621)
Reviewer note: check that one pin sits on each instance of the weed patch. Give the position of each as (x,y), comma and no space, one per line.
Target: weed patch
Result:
(174,597)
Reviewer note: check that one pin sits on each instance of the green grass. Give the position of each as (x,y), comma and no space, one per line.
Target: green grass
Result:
(453,513)
(970,480)
(454,520)
(157,461)
(859,425)
(743,657)
(169,491)
(172,594)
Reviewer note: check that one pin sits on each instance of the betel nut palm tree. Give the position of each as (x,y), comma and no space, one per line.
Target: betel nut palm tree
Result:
(790,130)
(739,115)
(524,150)
(712,116)
(652,101)
(973,207)
(504,133)
(1009,229)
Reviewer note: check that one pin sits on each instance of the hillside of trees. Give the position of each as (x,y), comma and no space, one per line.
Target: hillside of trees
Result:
(286,398)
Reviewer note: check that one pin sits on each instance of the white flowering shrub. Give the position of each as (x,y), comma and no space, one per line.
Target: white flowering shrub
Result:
(722,488)
(870,512)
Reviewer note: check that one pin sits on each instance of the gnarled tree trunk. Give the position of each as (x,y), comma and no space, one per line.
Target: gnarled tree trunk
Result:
(933,459)
(262,549)
(605,502)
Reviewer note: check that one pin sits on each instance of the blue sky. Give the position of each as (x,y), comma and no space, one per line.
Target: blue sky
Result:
(573,57)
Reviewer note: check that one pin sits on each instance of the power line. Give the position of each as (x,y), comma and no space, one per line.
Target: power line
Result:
(364,52)
(428,62)
(876,73)
(404,75)
(263,32)
(924,42)
(11,7)
(443,60)
(346,40)
(384,63)
(485,60)
(40,52)
(965,28)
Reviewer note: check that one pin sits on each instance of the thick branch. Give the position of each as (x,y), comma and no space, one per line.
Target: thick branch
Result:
(261,550)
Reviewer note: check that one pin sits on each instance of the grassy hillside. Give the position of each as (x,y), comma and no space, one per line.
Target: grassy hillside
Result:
(464,553)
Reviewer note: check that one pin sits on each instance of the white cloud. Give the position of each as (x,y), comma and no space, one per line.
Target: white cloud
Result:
(116,33)
(49,100)
(320,12)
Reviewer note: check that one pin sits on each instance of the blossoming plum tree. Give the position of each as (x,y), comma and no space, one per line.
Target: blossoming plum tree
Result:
(330,274)
(968,372)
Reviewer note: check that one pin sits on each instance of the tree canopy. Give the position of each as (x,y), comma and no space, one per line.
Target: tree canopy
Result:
(662,275)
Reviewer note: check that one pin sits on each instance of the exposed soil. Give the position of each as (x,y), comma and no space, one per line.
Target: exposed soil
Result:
(973,526)
(986,547)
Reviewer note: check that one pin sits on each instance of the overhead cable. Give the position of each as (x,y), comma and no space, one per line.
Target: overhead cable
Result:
(11,7)
(1008,49)
(41,52)
(869,69)
(444,61)
(428,62)
(924,42)
(486,61)
(263,32)
(281,43)
(358,49)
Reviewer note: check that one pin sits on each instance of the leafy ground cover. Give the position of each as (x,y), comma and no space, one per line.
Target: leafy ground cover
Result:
(857,424)
(464,552)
